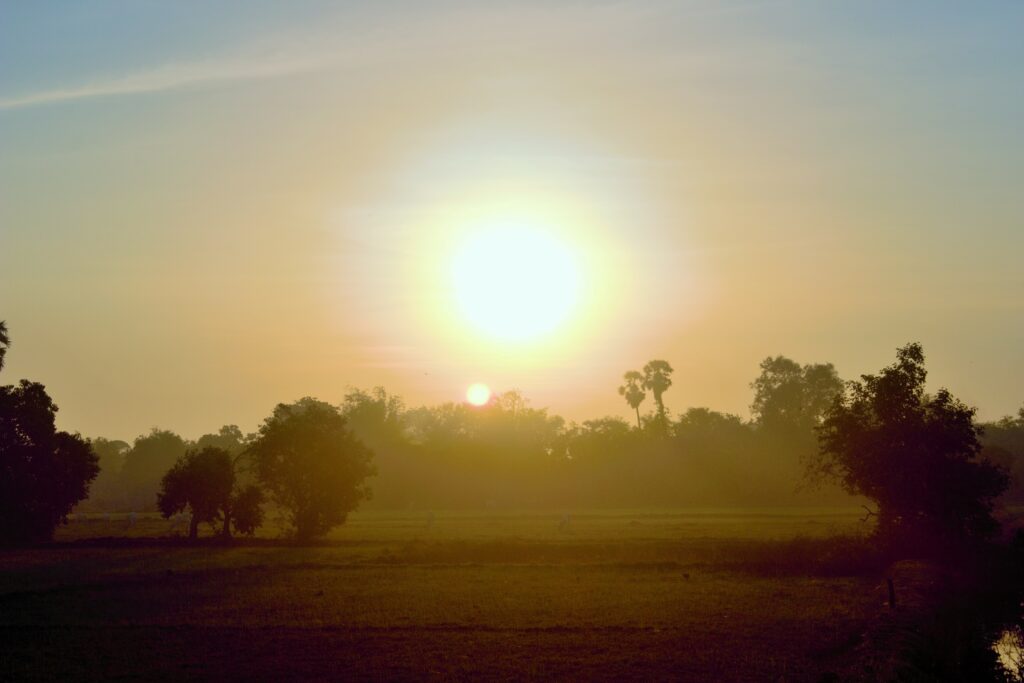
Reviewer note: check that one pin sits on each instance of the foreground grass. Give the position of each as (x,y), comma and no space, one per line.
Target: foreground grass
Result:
(699,596)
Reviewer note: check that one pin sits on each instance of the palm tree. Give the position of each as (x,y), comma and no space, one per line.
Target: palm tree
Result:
(658,378)
(633,391)
(5,342)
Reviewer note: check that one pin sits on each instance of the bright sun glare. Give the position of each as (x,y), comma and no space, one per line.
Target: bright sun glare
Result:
(478,394)
(515,281)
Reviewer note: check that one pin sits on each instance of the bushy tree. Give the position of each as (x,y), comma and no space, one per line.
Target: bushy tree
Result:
(601,439)
(912,453)
(149,458)
(312,465)
(1003,444)
(204,482)
(228,438)
(43,472)
(708,431)
(106,492)
(791,398)
(376,417)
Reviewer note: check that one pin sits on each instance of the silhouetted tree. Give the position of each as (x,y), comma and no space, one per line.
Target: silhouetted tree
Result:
(43,472)
(502,453)
(204,482)
(312,465)
(1003,444)
(106,491)
(603,438)
(376,417)
(791,398)
(911,453)
(632,390)
(150,457)
(710,431)
(229,438)
(5,342)
(658,378)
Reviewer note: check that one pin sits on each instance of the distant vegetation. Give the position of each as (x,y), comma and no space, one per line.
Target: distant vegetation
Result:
(508,454)
(812,440)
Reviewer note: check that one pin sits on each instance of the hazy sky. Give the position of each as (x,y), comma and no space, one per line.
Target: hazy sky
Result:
(209,208)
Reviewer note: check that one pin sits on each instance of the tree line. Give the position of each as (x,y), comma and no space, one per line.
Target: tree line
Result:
(921,459)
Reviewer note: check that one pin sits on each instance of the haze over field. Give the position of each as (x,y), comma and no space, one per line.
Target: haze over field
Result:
(206,212)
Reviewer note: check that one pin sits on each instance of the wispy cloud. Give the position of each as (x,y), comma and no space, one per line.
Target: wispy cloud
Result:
(171,78)
(481,32)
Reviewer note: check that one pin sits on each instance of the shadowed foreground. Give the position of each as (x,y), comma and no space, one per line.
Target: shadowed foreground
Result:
(691,596)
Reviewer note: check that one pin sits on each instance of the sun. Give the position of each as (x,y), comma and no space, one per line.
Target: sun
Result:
(478,394)
(515,281)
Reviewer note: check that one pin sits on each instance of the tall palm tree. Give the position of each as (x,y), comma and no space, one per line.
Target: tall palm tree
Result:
(633,391)
(5,342)
(658,378)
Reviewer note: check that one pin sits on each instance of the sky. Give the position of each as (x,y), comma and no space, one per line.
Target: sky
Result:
(208,208)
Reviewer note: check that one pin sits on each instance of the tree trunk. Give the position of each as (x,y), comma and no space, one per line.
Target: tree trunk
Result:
(638,417)
(193,528)
(225,533)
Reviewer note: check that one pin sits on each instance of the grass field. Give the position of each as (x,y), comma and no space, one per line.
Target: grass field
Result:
(694,595)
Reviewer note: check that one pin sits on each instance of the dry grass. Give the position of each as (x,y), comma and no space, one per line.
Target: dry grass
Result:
(616,596)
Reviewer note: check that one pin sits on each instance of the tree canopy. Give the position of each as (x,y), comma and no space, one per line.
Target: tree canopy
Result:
(149,458)
(789,397)
(43,472)
(312,465)
(912,453)
(204,481)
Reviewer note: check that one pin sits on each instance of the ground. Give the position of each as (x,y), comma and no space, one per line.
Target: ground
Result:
(685,595)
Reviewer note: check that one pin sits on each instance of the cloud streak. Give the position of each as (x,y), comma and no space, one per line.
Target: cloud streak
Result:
(173,77)
(492,33)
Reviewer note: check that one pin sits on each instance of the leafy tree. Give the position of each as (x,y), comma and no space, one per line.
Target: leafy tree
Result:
(106,491)
(711,431)
(111,453)
(1007,432)
(43,472)
(789,397)
(658,378)
(606,437)
(229,438)
(150,457)
(312,465)
(1003,443)
(204,481)
(246,513)
(500,454)
(912,453)
(632,390)
(5,342)
(375,417)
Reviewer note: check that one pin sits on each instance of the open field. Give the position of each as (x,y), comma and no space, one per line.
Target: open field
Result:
(699,595)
